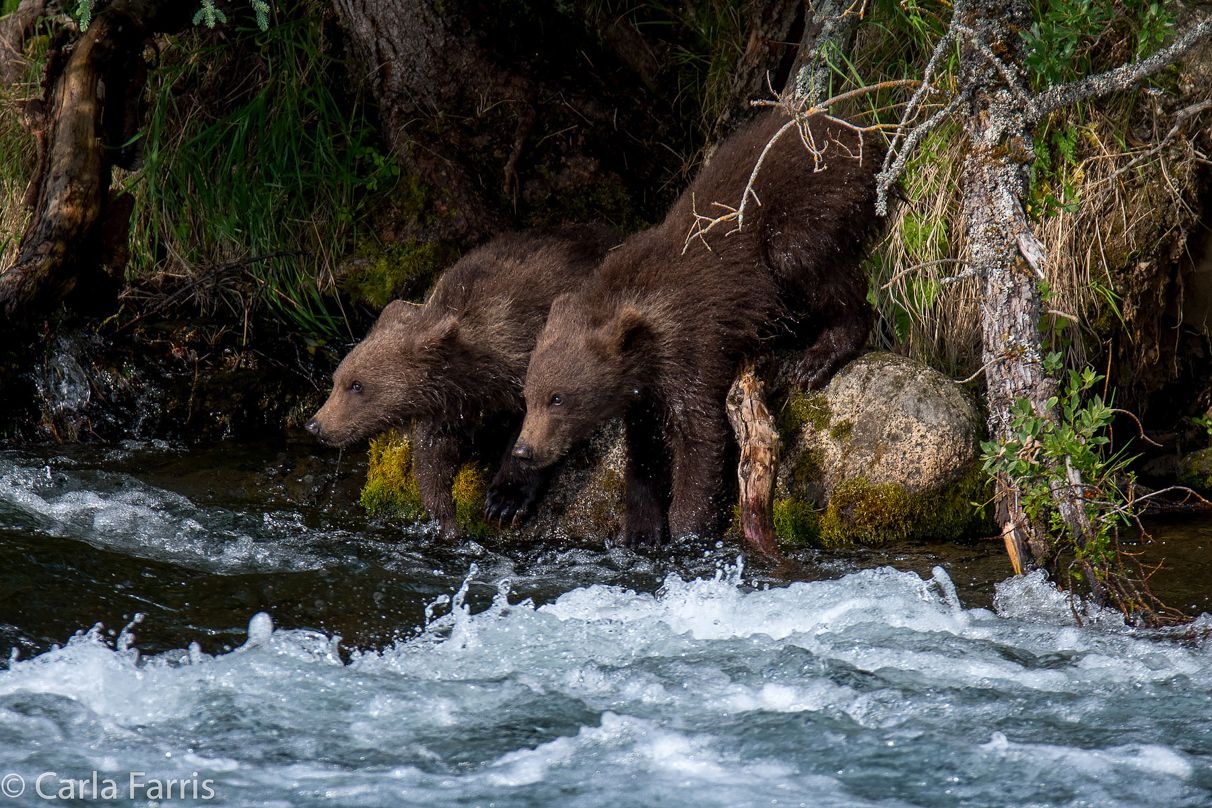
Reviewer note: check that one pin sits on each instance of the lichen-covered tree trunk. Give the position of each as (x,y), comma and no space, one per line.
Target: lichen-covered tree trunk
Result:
(996,177)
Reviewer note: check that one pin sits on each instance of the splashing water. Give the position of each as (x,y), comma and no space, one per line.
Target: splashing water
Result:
(877,689)
(697,688)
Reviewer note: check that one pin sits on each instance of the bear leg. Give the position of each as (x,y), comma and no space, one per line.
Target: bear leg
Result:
(698,471)
(645,478)
(515,489)
(842,339)
(436,451)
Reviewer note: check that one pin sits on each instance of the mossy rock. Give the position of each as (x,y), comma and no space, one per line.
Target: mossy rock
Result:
(1196,471)
(584,502)
(391,488)
(379,275)
(886,451)
(915,477)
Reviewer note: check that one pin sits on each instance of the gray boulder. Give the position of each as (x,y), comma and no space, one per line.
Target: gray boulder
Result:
(887,450)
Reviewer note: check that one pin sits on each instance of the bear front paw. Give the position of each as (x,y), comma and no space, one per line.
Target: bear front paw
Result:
(811,373)
(508,504)
(641,535)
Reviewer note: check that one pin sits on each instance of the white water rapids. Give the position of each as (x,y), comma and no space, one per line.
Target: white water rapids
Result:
(877,689)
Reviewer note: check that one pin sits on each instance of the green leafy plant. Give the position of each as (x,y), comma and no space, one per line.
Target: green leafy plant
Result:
(207,14)
(1064,40)
(1065,450)
(1043,449)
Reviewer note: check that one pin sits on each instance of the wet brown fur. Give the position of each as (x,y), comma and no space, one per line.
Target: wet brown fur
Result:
(460,358)
(657,335)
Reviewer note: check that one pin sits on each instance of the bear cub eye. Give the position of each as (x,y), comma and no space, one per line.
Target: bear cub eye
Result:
(556,400)
(356,387)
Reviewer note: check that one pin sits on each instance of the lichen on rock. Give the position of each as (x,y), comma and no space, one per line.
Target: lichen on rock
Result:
(886,451)
(583,504)
(391,489)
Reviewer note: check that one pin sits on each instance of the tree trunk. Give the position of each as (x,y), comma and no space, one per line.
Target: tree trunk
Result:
(996,177)
(421,68)
(81,121)
(761,66)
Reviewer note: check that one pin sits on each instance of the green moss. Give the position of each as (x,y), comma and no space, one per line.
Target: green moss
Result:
(592,203)
(808,466)
(398,270)
(797,524)
(841,430)
(470,486)
(860,512)
(391,490)
(1196,471)
(801,409)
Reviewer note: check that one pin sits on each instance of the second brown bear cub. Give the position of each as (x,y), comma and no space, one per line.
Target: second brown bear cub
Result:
(657,334)
(460,358)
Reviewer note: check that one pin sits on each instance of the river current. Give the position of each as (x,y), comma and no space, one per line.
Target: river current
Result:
(224,628)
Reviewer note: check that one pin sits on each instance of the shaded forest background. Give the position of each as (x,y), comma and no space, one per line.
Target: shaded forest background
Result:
(271,191)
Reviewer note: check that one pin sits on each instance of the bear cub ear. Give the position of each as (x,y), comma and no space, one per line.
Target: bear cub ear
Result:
(629,330)
(442,333)
(395,314)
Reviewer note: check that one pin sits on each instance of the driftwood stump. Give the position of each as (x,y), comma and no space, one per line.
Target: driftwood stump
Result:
(759,442)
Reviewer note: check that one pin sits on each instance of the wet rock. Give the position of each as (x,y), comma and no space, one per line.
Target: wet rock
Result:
(1195,471)
(887,450)
(179,382)
(583,504)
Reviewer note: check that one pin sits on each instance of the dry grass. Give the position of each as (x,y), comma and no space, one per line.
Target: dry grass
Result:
(1120,206)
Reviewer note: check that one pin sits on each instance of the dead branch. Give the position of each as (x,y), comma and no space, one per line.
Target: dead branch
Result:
(895,162)
(800,114)
(1180,119)
(759,441)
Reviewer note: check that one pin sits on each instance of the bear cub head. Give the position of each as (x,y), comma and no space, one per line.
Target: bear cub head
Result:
(581,374)
(394,375)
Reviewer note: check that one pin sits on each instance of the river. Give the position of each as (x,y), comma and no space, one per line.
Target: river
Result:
(225,619)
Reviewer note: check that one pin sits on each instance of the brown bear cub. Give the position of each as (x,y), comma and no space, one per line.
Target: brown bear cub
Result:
(656,336)
(459,359)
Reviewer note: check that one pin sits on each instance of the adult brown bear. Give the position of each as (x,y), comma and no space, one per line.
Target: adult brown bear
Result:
(657,334)
(461,358)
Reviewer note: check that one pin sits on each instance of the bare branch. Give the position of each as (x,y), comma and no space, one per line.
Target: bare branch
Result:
(1140,429)
(704,223)
(916,267)
(1121,78)
(892,172)
(1181,118)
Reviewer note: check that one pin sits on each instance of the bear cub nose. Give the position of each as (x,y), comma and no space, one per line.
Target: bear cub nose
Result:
(313,426)
(524,451)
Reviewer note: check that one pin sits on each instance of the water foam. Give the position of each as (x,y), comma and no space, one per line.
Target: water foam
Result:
(877,689)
